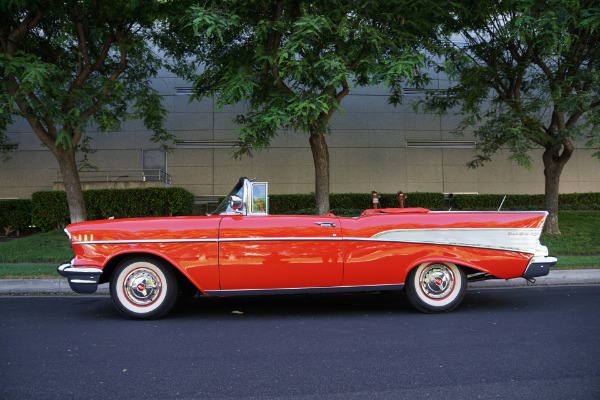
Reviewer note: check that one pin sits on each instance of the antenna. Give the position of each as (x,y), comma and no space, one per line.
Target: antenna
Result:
(502,202)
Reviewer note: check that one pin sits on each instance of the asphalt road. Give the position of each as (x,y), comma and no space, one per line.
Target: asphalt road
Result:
(521,343)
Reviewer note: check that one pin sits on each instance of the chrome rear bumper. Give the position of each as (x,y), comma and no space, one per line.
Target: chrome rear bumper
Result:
(539,266)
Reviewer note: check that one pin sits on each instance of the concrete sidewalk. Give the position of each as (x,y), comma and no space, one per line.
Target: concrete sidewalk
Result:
(557,277)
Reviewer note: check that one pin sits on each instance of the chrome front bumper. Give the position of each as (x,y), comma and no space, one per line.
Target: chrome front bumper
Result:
(81,279)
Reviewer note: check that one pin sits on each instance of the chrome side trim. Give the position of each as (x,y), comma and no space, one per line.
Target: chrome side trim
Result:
(146,241)
(82,281)
(68,270)
(284,239)
(326,289)
(266,239)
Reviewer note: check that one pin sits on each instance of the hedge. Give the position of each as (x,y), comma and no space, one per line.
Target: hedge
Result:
(355,203)
(567,201)
(15,215)
(350,203)
(50,210)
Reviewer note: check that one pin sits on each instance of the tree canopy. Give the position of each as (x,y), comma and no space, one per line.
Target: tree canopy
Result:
(526,76)
(65,66)
(293,62)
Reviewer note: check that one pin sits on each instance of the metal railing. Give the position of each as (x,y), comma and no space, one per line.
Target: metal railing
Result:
(122,175)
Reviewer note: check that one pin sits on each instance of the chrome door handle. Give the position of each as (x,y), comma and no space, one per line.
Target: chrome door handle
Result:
(327,224)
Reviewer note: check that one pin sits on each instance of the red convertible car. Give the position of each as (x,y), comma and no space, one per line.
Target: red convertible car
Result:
(242,250)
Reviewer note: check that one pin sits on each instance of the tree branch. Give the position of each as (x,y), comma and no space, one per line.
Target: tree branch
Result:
(17,34)
(99,102)
(82,39)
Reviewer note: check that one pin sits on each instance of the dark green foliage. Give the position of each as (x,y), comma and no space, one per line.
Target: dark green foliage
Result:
(67,64)
(284,203)
(432,201)
(525,77)
(15,215)
(570,201)
(291,63)
(50,209)
(345,201)
(579,201)
(350,203)
(66,67)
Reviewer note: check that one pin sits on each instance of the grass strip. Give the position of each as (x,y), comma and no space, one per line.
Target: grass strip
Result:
(580,234)
(29,271)
(41,247)
(577,262)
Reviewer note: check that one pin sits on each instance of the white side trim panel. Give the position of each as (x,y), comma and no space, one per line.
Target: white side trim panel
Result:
(524,240)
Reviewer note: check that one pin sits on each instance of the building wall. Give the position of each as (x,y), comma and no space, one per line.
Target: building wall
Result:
(368,151)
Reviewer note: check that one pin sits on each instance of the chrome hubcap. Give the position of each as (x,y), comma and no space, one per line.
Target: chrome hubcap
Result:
(437,281)
(142,287)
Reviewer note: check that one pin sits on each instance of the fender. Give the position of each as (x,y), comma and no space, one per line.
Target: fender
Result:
(113,261)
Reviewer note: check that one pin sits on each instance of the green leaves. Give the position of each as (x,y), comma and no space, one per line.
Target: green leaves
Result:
(292,63)
(73,65)
(50,211)
(527,77)
(212,23)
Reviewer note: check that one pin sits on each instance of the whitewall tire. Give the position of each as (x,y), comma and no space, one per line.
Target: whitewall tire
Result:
(143,288)
(436,287)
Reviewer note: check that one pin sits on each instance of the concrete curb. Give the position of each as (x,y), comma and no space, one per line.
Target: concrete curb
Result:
(558,277)
(41,286)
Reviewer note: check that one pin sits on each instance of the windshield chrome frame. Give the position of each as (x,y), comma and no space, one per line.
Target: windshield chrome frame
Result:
(247,197)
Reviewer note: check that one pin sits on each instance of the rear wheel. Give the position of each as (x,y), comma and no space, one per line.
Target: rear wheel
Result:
(436,287)
(143,288)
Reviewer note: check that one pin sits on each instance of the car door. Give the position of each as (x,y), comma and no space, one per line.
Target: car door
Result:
(279,252)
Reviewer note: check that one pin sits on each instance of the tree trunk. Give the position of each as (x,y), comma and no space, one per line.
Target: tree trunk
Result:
(321,159)
(68,169)
(554,163)
(67,164)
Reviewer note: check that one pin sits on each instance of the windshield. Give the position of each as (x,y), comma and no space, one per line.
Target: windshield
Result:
(224,208)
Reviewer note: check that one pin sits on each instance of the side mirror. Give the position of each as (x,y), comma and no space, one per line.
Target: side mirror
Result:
(235,202)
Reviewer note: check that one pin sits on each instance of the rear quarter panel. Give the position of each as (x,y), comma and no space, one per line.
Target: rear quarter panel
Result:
(383,248)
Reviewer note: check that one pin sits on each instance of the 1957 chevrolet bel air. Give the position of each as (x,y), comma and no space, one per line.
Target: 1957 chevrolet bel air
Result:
(242,250)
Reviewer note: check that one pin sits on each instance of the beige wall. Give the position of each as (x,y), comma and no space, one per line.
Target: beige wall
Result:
(367,152)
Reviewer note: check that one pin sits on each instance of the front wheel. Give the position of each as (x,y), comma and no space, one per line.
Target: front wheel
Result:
(143,288)
(436,287)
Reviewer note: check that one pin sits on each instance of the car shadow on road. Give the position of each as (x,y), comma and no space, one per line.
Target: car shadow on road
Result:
(303,305)
(317,305)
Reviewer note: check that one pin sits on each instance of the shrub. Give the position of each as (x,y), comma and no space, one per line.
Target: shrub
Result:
(15,215)
(350,203)
(284,203)
(568,201)
(355,203)
(50,210)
